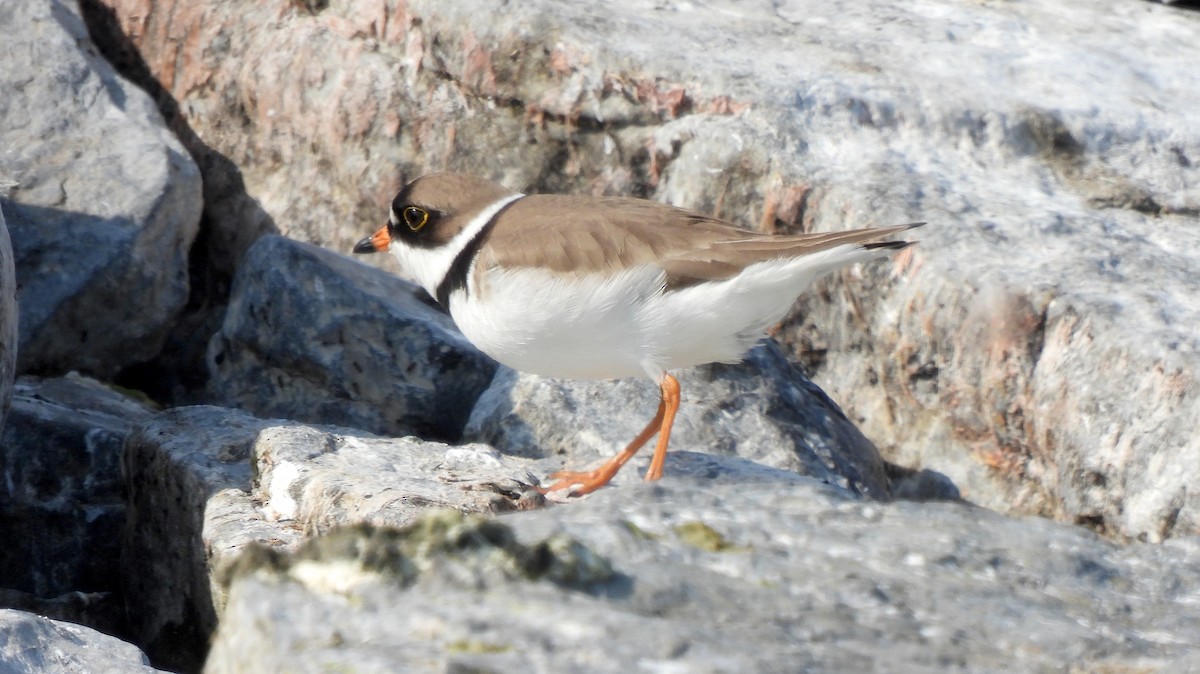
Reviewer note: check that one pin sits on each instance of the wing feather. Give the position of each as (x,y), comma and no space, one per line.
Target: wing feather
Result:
(585,235)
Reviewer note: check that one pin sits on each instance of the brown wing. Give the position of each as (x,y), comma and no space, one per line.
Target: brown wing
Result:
(589,235)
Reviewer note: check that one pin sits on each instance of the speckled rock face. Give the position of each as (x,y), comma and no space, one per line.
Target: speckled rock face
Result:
(63,498)
(205,482)
(312,336)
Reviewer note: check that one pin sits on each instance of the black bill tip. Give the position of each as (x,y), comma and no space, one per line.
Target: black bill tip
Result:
(365,246)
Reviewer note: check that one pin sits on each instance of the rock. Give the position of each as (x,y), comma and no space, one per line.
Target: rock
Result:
(763,410)
(8,320)
(206,481)
(104,202)
(33,644)
(1037,348)
(689,576)
(174,471)
(62,500)
(231,220)
(313,336)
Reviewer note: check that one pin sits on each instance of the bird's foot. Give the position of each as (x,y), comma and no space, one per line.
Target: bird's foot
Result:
(578,481)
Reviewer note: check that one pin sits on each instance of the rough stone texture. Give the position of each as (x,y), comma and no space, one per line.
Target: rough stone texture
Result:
(205,481)
(104,201)
(313,336)
(8,319)
(1040,350)
(764,410)
(32,644)
(760,570)
(62,497)
(172,472)
(688,576)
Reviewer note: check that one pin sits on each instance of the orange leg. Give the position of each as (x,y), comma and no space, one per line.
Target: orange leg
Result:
(586,482)
(670,401)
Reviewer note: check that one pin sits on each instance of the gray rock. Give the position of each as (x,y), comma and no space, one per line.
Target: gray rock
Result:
(204,482)
(689,576)
(1038,349)
(8,320)
(173,470)
(762,570)
(104,203)
(231,220)
(32,644)
(313,336)
(62,500)
(763,409)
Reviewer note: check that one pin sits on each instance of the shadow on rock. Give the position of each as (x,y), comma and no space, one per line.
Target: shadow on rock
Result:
(232,220)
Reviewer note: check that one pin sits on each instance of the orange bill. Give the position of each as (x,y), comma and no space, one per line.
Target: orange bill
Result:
(378,242)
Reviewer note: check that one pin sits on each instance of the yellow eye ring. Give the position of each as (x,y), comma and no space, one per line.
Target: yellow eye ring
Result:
(415,218)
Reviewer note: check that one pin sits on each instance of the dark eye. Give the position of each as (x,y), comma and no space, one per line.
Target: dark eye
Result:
(414,217)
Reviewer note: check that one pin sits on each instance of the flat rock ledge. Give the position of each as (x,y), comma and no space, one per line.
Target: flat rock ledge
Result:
(204,482)
(690,576)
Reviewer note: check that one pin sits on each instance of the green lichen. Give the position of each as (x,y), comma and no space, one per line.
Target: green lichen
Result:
(700,535)
(477,546)
(136,395)
(565,561)
(473,647)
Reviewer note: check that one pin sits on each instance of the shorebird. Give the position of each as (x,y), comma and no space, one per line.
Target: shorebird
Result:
(604,287)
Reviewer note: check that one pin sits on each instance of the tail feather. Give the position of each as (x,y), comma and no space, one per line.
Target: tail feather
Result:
(725,259)
(888,245)
(806,243)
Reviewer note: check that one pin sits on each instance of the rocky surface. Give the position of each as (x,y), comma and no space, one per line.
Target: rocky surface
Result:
(996,361)
(690,576)
(212,480)
(1037,348)
(62,498)
(8,319)
(206,481)
(163,547)
(763,410)
(312,336)
(102,200)
(32,644)
(736,568)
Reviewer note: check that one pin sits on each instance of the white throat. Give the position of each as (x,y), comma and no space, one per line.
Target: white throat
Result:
(428,266)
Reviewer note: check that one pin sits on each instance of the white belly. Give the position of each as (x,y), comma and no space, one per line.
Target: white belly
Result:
(599,327)
(540,323)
